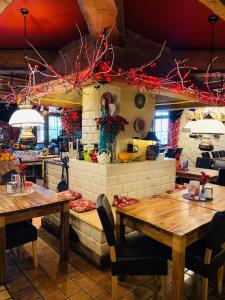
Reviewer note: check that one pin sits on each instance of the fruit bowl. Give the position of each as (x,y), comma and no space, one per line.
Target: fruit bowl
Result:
(6,156)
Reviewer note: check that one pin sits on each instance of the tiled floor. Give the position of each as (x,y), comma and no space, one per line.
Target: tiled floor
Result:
(79,280)
(4,293)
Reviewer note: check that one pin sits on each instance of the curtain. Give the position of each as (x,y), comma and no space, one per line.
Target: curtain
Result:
(174,127)
(71,121)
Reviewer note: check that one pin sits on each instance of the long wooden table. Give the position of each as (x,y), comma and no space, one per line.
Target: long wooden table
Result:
(174,221)
(19,208)
(194,173)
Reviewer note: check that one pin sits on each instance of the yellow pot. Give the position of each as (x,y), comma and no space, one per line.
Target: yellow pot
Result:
(125,156)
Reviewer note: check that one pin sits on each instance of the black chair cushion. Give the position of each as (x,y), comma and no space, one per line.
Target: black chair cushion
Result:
(205,163)
(178,151)
(140,255)
(194,259)
(170,153)
(20,233)
(215,154)
(7,176)
(105,214)
(221,177)
(205,155)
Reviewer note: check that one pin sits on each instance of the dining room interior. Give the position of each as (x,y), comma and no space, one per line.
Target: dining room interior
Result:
(112,149)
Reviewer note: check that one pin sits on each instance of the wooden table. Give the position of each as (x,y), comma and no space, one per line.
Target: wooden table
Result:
(19,208)
(175,222)
(220,158)
(217,204)
(195,173)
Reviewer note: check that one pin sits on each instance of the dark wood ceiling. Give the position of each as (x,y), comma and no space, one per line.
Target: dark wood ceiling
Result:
(182,23)
(50,24)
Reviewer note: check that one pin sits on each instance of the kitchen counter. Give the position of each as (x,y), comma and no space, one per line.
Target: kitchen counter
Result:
(52,172)
(36,165)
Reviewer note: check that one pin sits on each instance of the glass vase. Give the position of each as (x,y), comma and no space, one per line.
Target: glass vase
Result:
(22,183)
(202,192)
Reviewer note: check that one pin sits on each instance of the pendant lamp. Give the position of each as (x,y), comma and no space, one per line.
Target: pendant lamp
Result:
(208,125)
(27,136)
(26,116)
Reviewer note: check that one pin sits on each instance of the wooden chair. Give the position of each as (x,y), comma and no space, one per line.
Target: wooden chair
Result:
(221,177)
(178,151)
(20,233)
(215,154)
(204,163)
(170,153)
(206,155)
(207,255)
(139,255)
(222,153)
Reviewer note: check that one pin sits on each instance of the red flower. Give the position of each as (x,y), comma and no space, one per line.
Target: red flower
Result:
(113,125)
(204,178)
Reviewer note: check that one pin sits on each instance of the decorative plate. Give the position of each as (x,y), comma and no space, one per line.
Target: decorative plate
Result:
(139,125)
(140,100)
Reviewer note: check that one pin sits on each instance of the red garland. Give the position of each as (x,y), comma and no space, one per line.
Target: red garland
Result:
(71,121)
(174,133)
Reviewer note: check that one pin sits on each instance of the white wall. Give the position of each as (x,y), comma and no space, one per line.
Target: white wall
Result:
(137,179)
(190,145)
(124,98)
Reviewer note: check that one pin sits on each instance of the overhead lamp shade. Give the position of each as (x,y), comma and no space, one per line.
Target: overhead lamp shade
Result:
(189,125)
(25,116)
(208,126)
(151,137)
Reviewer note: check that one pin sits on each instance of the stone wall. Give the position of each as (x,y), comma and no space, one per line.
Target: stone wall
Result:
(123,97)
(54,173)
(191,151)
(137,179)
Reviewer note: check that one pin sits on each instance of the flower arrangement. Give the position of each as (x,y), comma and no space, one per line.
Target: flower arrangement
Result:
(204,178)
(22,182)
(113,126)
(22,168)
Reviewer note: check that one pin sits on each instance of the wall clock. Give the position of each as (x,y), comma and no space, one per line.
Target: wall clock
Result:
(140,100)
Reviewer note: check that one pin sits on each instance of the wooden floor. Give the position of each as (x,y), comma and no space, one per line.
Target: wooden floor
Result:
(80,280)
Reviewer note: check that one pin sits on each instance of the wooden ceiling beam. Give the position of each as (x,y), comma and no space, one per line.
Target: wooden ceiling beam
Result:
(14,59)
(180,105)
(201,58)
(4,4)
(99,15)
(216,6)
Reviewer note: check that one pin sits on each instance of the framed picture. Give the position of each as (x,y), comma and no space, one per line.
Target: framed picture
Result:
(139,125)
(140,100)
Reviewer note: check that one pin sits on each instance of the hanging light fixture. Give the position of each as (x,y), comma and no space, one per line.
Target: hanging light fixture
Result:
(27,136)
(188,126)
(205,129)
(216,79)
(26,116)
(151,136)
(209,126)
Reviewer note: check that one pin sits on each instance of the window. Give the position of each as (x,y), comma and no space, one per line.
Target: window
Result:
(54,126)
(40,134)
(162,126)
(54,129)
